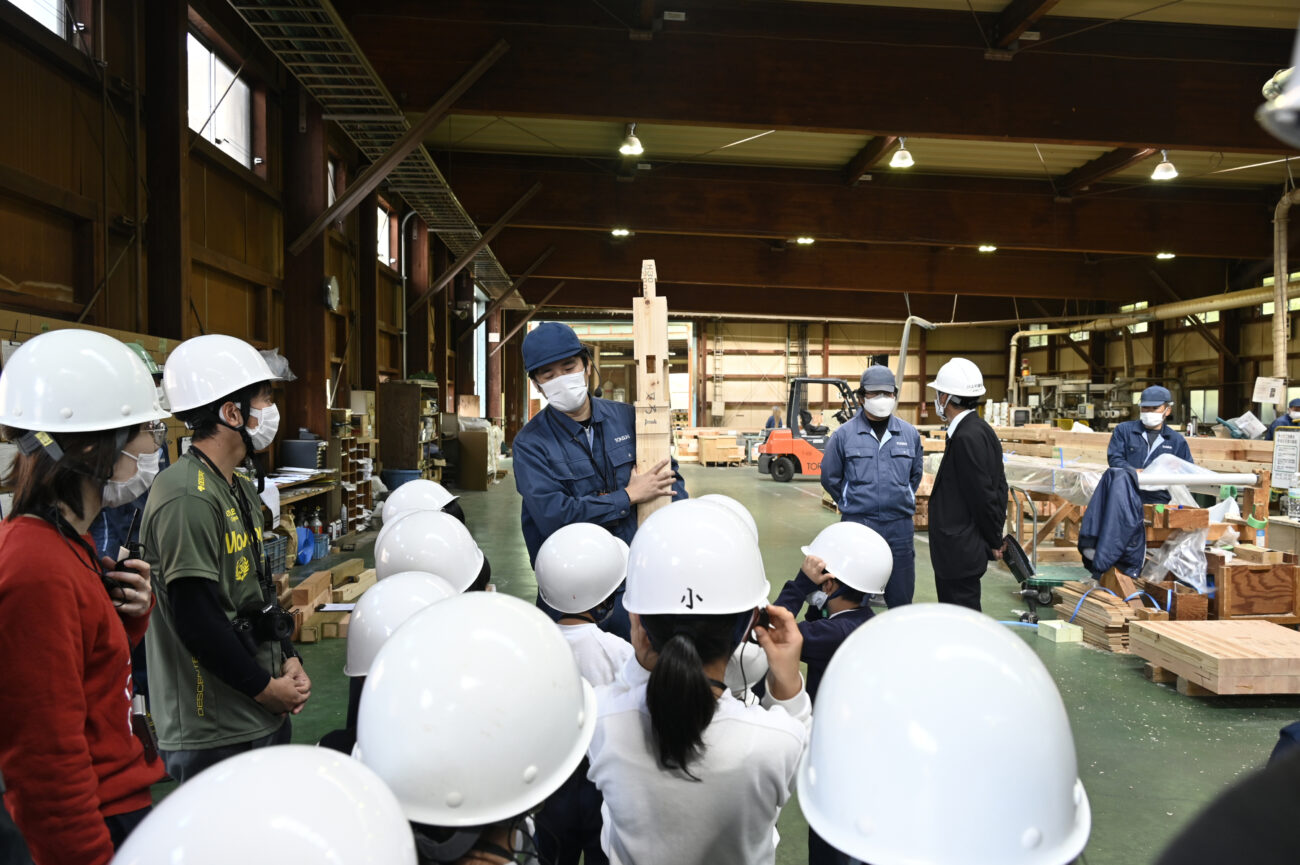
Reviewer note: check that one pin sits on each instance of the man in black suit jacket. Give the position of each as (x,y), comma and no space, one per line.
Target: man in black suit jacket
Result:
(968,506)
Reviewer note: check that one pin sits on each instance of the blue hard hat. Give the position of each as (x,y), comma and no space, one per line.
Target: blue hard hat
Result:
(1156,395)
(877,377)
(548,342)
(1295,403)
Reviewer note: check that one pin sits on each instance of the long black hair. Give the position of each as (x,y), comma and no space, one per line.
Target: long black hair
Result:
(41,481)
(679,695)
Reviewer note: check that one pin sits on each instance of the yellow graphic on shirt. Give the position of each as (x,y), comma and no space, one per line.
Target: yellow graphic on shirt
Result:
(241,569)
(198,687)
(236,542)
(233,514)
(202,481)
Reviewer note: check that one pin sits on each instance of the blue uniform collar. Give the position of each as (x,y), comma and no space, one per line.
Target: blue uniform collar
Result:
(599,413)
(894,427)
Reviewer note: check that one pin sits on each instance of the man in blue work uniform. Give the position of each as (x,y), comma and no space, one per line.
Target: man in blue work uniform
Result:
(575,462)
(871,468)
(1135,443)
(1291,417)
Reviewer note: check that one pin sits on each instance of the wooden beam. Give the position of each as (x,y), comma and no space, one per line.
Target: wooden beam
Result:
(867,157)
(1017,17)
(537,307)
(654,427)
(895,208)
(497,303)
(35,191)
(1111,162)
(1195,321)
(701,75)
(414,137)
(843,267)
(1092,366)
(478,246)
(168,169)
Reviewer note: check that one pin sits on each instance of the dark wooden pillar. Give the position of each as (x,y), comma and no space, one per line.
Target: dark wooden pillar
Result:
(167,154)
(366,320)
(1232,387)
(493,407)
(463,307)
(513,381)
(1097,354)
(441,327)
(1158,368)
(304,275)
(418,334)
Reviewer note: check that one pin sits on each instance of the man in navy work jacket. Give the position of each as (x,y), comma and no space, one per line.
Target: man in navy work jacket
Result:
(871,468)
(575,461)
(1291,417)
(1135,443)
(968,507)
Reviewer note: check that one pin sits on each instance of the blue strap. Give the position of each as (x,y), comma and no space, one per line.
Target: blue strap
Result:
(1142,594)
(1085,597)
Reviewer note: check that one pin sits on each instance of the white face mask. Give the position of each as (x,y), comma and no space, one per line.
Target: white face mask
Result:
(567,393)
(118,493)
(268,424)
(880,406)
(1152,419)
(1295,415)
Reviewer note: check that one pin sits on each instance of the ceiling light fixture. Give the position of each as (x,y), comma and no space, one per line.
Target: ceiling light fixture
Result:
(902,157)
(805,240)
(621,232)
(1165,256)
(1165,170)
(631,145)
(988,247)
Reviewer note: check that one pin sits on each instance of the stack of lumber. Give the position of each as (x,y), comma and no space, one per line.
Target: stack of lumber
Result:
(1103,617)
(1234,657)
(1183,602)
(1216,454)
(341,584)
(921,519)
(719,450)
(688,440)
(1162,521)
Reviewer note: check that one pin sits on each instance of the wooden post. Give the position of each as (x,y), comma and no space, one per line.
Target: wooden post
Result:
(653,411)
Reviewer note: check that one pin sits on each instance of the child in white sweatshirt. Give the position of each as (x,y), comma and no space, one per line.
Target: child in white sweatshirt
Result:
(689,774)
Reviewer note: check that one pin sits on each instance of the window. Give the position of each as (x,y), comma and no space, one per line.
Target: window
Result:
(1080,336)
(1037,341)
(50,13)
(384,237)
(1140,327)
(1211,317)
(1292,305)
(221,105)
(1205,404)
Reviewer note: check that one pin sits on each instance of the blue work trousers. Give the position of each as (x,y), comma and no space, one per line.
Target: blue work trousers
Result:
(901,537)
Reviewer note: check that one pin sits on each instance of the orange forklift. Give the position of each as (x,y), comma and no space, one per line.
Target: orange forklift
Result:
(797,448)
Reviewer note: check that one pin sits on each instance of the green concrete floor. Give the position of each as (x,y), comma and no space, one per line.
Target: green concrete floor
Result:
(1149,757)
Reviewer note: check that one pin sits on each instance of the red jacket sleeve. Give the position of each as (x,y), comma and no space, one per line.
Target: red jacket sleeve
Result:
(53,788)
(136,625)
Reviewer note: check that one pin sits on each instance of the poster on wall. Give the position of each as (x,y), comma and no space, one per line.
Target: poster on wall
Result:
(1269,391)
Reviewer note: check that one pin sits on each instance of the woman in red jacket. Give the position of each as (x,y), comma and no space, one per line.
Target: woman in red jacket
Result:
(84,413)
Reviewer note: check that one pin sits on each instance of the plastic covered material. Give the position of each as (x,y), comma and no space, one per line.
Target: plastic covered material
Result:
(1183,556)
(289,803)
(278,364)
(1073,482)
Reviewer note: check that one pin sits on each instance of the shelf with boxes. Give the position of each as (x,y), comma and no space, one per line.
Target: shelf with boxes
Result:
(409,428)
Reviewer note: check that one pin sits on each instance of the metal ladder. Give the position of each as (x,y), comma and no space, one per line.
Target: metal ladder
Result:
(796,358)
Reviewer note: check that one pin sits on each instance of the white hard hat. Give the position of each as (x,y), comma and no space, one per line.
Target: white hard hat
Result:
(206,368)
(745,668)
(579,566)
(855,555)
(735,507)
(382,608)
(286,803)
(69,381)
(954,746)
(696,558)
(474,711)
(959,377)
(432,543)
(416,495)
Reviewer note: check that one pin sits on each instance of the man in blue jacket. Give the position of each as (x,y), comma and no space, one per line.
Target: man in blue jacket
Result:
(871,468)
(1290,417)
(575,462)
(1135,443)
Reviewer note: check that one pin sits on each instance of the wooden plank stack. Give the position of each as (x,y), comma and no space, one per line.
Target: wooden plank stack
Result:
(1233,657)
(1103,617)
(341,584)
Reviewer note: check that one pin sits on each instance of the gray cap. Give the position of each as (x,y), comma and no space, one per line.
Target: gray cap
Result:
(877,377)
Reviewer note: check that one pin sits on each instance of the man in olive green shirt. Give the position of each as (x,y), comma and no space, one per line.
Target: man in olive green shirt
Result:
(220,689)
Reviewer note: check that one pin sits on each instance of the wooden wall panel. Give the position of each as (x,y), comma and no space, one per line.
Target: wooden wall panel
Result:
(230,305)
(38,255)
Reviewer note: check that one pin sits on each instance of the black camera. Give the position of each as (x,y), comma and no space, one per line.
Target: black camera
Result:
(265,624)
